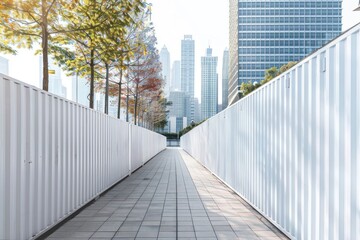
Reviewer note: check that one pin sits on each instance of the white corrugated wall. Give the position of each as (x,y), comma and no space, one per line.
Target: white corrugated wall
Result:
(56,156)
(292,147)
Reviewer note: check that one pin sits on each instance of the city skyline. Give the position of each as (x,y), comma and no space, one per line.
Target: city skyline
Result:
(202,25)
(207,29)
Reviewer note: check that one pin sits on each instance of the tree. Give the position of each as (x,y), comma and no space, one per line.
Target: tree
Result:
(144,76)
(270,74)
(104,24)
(25,23)
(286,67)
(247,88)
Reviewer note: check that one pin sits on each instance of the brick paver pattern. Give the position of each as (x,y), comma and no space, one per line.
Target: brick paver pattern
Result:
(170,197)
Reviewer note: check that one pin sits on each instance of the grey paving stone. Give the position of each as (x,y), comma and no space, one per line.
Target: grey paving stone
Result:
(186,234)
(202,208)
(167,235)
(125,234)
(205,234)
(147,234)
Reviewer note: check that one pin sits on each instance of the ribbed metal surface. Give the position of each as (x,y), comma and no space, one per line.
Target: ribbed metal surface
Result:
(56,156)
(292,148)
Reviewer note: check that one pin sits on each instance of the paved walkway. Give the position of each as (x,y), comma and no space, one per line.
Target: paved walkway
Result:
(171,197)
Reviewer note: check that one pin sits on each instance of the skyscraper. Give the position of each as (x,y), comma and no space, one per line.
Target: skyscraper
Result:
(177,111)
(225,79)
(209,85)
(176,76)
(188,74)
(4,66)
(165,62)
(177,108)
(271,33)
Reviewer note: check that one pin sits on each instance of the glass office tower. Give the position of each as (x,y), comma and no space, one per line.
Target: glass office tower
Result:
(271,33)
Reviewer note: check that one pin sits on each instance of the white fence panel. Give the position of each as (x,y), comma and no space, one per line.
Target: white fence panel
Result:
(143,148)
(56,156)
(292,147)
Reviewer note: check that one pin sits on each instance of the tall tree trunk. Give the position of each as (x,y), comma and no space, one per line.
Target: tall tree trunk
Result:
(92,78)
(119,98)
(136,103)
(135,110)
(45,46)
(107,89)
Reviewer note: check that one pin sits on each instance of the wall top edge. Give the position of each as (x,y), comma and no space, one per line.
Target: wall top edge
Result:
(4,77)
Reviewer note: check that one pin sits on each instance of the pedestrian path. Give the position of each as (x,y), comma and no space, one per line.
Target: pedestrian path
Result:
(171,197)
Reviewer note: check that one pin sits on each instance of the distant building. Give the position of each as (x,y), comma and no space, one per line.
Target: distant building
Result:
(55,81)
(209,85)
(176,124)
(178,106)
(4,66)
(225,80)
(197,110)
(80,91)
(188,74)
(165,62)
(113,106)
(176,76)
(177,111)
(264,34)
(64,91)
(99,103)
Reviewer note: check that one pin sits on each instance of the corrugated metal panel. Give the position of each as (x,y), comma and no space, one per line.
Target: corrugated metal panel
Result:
(56,156)
(292,148)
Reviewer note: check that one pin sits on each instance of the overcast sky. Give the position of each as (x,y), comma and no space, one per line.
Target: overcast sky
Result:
(206,20)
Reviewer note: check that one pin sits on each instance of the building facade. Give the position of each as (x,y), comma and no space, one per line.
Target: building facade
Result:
(188,75)
(225,80)
(176,76)
(4,66)
(209,85)
(177,111)
(165,62)
(264,34)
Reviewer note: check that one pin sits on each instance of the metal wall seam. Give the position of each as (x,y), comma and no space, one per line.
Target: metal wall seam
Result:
(2,158)
(356,63)
(347,140)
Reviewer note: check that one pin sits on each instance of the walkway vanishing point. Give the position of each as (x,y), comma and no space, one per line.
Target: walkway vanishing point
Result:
(171,197)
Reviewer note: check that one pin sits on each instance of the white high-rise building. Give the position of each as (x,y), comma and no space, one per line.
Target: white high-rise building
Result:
(176,76)
(165,62)
(188,74)
(4,66)
(209,85)
(225,79)
(55,81)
